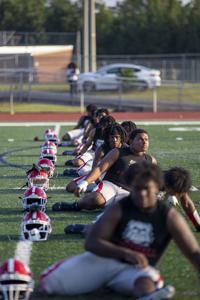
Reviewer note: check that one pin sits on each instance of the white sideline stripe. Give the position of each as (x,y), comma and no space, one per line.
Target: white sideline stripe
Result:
(182,129)
(53,188)
(29,124)
(23,251)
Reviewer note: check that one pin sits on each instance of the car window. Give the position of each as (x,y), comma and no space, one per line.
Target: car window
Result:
(113,71)
(128,72)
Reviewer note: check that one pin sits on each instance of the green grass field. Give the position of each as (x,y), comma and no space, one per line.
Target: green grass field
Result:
(23,151)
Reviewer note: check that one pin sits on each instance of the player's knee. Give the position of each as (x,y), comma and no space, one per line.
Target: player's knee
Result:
(78,162)
(92,201)
(143,286)
(71,186)
(66,137)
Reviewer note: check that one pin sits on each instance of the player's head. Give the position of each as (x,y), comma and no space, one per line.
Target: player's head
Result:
(129,126)
(139,140)
(145,180)
(177,181)
(98,114)
(114,135)
(90,108)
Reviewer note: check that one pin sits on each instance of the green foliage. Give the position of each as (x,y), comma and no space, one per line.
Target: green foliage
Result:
(136,27)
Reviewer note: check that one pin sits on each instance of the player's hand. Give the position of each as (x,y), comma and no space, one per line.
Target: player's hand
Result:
(81,188)
(136,258)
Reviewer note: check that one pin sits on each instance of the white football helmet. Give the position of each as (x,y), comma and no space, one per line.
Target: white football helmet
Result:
(35,226)
(38,178)
(46,165)
(49,154)
(49,145)
(51,135)
(16,282)
(34,198)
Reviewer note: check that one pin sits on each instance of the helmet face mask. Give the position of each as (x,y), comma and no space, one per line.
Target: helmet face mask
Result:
(51,136)
(50,155)
(34,198)
(38,179)
(49,146)
(16,281)
(35,226)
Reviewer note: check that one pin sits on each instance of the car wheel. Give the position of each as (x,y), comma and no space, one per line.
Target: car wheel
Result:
(88,86)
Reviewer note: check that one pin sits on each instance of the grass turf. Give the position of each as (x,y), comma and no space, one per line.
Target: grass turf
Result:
(163,145)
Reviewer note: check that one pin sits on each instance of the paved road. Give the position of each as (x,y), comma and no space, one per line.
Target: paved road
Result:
(106,101)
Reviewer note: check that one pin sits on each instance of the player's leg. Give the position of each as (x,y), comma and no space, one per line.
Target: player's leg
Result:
(190,209)
(75,275)
(141,282)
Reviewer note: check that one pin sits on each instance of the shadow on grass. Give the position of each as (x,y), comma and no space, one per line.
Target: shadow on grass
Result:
(9,211)
(9,238)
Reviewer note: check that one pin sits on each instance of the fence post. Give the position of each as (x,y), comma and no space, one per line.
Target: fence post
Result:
(11,101)
(82,100)
(155,100)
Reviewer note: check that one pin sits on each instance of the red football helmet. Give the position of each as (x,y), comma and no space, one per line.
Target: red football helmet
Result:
(49,145)
(49,154)
(38,178)
(16,280)
(35,226)
(34,198)
(46,165)
(51,135)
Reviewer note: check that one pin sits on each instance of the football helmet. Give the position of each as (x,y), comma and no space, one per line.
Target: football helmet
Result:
(16,282)
(46,165)
(49,145)
(51,135)
(34,198)
(35,226)
(49,154)
(38,178)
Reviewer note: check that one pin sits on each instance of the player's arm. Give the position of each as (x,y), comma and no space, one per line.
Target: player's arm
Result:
(104,165)
(80,123)
(98,240)
(154,161)
(99,153)
(96,172)
(183,237)
(88,142)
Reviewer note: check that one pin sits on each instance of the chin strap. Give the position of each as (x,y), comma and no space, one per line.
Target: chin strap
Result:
(167,292)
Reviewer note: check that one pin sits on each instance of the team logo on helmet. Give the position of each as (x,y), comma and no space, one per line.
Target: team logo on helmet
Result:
(35,226)
(16,282)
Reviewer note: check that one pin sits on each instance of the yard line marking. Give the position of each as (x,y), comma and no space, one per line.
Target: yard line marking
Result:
(142,122)
(23,251)
(57,129)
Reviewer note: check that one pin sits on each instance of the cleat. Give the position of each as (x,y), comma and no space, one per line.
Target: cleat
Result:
(68,152)
(167,292)
(65,206)
(75,229)
(69,162)
(70,172)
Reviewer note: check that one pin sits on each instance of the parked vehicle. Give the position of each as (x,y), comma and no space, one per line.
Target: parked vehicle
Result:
(110,77)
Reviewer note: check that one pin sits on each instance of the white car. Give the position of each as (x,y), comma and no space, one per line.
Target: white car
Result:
(111,76)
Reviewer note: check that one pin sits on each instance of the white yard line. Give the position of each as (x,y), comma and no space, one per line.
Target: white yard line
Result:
(29,124)
(57,129)
(23,251)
